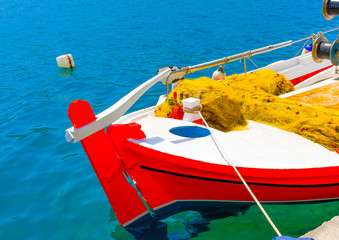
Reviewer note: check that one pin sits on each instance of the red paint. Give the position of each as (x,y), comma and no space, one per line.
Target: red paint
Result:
(198,187)
(162,178)
(107,165)
(177,178)
(151,190)
(121,132)
(177,112)
(198,121)
(302,78)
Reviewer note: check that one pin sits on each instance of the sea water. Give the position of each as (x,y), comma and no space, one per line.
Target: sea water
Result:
(48,188)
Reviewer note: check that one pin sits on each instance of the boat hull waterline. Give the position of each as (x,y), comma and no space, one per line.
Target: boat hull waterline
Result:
(164,183)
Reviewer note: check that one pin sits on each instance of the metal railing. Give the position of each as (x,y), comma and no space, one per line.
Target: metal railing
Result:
(166,76)
(243,56)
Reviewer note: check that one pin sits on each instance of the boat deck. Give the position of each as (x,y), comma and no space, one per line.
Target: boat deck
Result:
(325,96)
(259,146)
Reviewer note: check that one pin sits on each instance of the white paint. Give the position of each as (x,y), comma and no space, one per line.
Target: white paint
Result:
(305,89)
(260,146)
(298,66)
(328,73)
(191,103)
(219,74)
(113,113)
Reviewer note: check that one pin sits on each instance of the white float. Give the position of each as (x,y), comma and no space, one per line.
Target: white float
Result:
(65,61)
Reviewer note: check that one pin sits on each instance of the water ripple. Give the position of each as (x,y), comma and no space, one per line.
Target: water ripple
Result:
(48,187)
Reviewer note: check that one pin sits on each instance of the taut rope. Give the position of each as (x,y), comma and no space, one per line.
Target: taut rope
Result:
(227,160)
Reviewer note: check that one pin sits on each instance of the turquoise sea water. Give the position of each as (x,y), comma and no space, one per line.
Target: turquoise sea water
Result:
(48,189)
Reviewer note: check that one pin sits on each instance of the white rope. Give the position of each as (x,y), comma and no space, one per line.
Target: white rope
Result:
(228,161)
(303,46)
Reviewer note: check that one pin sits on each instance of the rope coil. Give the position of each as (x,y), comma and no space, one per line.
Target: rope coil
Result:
(193,110)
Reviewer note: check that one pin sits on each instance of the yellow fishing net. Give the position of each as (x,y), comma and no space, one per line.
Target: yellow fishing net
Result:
(227,104)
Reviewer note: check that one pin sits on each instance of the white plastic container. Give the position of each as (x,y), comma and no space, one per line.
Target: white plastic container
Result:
(191,103)
(65,61)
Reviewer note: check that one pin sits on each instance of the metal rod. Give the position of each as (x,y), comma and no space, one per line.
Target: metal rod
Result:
(248,54)
(320,33)
(244,59)
(244,55)
(117,110)
(233,58)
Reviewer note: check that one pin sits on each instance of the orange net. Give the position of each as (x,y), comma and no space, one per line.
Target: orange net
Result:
(326,96)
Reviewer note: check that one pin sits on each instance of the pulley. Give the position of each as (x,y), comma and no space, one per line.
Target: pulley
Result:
(322,49)
(330,9)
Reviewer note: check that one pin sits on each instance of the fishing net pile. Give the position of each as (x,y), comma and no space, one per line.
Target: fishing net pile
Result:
(228,104)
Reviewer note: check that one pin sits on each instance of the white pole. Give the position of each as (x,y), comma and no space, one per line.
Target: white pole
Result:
(114,112)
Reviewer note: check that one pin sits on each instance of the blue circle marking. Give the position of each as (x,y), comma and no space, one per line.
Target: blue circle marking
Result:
(190,131)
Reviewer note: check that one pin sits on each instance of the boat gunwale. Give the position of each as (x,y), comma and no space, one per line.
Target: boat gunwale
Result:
(302,177)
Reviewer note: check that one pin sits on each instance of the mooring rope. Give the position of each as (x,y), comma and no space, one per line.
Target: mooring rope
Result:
(228,161)
(253,62)
(303,46)
(193,110)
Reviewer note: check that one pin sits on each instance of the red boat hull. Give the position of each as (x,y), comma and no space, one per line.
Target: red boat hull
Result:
(139,181)
(185,179)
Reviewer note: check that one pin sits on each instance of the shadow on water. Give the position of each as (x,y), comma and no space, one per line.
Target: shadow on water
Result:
(187,225)
(66,72)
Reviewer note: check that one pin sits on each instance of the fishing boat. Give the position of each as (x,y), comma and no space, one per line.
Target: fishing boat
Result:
(151,167)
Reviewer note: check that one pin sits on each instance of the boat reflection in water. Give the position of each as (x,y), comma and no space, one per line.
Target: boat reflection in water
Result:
(191,223)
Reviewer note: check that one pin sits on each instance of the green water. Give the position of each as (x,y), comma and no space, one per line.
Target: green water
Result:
(292,220)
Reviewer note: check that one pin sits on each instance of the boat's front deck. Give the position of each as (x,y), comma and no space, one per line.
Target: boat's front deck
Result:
(259,146)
